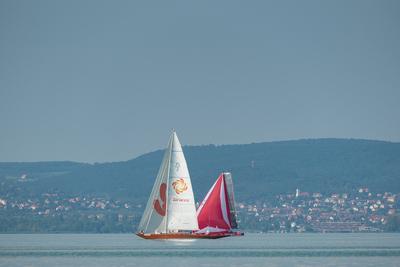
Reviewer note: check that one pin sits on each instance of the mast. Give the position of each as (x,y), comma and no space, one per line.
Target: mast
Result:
(168,179)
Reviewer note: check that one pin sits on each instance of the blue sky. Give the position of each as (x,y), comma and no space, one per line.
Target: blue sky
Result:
(99,81)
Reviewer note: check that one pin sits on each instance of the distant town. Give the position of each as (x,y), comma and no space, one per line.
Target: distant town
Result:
(360,210)
(357,211)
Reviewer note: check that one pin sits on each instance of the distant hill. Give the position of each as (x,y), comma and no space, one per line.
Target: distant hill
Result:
(259,170)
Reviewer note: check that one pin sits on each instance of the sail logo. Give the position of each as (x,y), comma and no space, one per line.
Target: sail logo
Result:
(177,166)
(179,186)
(161,207)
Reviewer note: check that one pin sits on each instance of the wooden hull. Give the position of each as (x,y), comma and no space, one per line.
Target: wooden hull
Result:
(188,235)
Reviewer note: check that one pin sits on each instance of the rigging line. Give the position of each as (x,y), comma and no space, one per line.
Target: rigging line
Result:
(167,191)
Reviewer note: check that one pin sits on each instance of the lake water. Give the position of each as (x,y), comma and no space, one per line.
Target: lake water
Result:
(100,250)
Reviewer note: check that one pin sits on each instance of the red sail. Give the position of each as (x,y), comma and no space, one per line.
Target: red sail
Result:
(214,211)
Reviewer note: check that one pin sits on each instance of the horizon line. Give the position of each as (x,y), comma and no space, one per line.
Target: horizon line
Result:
(210,144)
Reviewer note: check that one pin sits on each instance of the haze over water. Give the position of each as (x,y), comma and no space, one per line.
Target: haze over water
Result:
(251,250)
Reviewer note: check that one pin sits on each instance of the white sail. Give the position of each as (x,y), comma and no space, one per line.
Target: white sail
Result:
(154,221)
(181,206)
(171,206)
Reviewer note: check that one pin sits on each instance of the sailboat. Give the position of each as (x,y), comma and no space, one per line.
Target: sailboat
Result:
(216,215)
(171,213)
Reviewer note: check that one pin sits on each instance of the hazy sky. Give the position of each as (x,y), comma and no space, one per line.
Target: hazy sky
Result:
(107,80)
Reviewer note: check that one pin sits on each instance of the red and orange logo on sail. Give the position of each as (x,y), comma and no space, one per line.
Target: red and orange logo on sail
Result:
(160,205)
(179,186)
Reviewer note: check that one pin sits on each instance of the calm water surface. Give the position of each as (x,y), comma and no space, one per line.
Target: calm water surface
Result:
(251,250)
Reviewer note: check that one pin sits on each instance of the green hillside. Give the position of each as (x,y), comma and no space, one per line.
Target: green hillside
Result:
(261,169)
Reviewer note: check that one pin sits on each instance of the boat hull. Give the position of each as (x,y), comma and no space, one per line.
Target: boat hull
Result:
(188,235)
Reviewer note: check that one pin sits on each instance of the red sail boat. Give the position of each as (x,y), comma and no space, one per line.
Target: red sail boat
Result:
(170,212)
(216,215)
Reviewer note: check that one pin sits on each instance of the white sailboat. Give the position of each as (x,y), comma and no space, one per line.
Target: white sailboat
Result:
(170,212)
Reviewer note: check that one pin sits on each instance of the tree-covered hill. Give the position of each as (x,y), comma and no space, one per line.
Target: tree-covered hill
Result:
(259,170)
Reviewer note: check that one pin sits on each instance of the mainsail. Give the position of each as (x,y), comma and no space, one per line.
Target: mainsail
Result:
(171,206)
(217,211)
